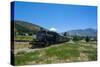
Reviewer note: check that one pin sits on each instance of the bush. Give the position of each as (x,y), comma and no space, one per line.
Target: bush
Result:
(87,39)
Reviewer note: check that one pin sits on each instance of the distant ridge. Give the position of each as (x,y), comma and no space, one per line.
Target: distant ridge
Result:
(83,32)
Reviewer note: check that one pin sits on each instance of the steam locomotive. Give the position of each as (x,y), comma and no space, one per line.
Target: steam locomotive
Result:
(46,38)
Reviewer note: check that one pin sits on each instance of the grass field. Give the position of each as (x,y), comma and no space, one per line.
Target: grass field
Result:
(59,53)
(23,38)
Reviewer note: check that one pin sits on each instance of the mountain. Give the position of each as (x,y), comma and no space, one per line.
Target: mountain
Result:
(83,32)
(21,27)
(25,27)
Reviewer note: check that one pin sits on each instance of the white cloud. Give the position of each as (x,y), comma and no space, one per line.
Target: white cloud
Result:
(53,29)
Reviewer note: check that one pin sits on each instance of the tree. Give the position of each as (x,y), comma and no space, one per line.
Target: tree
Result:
(87,39)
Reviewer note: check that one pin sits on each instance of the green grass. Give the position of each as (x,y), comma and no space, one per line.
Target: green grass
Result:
(64,52)
(24,58)
(23,38)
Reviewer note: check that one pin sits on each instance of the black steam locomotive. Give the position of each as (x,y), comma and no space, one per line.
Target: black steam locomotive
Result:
(46,38)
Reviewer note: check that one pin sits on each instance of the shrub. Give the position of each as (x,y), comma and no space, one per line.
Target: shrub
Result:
(87,39)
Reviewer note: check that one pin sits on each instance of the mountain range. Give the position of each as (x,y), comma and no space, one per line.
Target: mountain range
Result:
(26,27)
(83,32)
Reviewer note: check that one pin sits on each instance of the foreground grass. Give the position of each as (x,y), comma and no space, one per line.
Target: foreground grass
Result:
(65,52)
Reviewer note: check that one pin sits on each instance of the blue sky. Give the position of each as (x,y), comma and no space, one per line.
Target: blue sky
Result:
(57,16)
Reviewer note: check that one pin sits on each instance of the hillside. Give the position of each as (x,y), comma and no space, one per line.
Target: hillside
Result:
(25,27)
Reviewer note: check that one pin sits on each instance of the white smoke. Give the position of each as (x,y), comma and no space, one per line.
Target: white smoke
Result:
(53,29)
